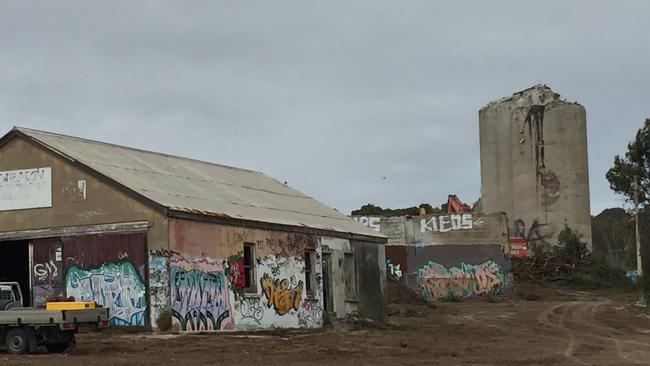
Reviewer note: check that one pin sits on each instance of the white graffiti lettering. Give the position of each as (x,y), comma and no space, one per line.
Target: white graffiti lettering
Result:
(45,271)
(369,221)
(448,223)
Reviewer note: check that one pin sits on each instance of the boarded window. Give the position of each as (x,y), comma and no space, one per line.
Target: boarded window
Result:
(249,268)
(310,278)
(350,276)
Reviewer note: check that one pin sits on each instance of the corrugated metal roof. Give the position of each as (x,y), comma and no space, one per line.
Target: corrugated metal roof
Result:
(199,187)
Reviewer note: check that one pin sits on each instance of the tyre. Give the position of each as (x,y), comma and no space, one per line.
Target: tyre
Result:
(56,347)
(16,341)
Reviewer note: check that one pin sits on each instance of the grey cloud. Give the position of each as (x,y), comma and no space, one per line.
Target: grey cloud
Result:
(330,96)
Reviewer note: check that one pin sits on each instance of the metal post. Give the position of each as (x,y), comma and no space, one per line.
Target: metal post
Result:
(639,263)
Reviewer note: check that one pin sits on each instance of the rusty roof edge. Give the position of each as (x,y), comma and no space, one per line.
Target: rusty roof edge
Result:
(227,220)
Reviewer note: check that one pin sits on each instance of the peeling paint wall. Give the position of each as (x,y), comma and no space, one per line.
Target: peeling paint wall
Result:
(212,253)
(534,164)
(280,298)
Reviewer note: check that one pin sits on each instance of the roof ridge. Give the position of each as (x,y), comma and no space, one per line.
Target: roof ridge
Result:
(28,130)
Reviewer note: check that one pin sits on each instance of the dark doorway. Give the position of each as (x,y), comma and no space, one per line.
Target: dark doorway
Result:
(328,303)
(14,266)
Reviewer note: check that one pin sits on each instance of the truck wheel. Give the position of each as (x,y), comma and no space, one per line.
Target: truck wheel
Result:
(56,347)
(16,341)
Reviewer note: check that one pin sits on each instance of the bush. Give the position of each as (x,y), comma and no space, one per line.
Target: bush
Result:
(164,321)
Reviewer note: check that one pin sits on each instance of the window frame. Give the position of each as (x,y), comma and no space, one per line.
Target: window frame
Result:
(310,275)
(249,269)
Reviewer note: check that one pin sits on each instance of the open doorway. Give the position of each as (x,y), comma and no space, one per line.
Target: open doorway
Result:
(328,303)
(14,266)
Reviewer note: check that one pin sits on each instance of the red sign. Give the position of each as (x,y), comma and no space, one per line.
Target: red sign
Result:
(518,247)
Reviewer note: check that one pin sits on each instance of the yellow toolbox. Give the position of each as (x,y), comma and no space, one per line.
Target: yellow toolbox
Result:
(70,305)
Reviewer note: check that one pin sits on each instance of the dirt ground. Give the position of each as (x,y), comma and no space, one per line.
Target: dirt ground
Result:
(560,328)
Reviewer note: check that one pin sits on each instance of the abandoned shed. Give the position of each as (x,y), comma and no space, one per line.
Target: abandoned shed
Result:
(147,234)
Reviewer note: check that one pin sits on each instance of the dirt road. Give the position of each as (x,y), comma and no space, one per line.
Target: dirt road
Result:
(575,328)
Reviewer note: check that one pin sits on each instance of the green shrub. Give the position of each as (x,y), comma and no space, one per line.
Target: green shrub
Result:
(164,321)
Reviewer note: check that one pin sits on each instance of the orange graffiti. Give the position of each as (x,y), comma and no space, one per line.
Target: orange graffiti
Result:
(280,296)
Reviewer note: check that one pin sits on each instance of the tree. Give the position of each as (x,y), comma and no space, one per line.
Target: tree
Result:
(636,163)
(372,210)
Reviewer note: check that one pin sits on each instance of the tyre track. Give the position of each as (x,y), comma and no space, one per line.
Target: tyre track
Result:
(583,329)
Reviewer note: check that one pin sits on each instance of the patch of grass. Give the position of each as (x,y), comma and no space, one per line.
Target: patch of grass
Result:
(398,327)
(451,298)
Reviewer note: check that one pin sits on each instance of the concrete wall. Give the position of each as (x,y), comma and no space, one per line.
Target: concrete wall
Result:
(460,229)
(454,255)
(205,250)
(447,270)
(534,164)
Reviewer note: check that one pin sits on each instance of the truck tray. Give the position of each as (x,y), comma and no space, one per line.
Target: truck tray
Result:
(70,305)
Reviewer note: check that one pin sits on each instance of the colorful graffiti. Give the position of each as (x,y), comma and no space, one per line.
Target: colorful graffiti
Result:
(436,281)
(199,294)
(310,314)
(158,284)
(117,286)
(281,295)
(235,272)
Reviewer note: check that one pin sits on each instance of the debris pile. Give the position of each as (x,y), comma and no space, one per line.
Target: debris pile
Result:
(589,272)
(541,269)
(398,293)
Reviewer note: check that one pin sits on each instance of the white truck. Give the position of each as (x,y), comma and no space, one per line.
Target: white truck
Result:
(23,329)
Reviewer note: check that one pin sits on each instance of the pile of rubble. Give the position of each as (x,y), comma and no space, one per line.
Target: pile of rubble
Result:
(541,269)
(589,272)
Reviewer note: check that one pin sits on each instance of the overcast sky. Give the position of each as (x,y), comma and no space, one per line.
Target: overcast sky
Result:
(350,102)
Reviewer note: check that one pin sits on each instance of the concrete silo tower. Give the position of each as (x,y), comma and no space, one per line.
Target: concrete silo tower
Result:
(534,164)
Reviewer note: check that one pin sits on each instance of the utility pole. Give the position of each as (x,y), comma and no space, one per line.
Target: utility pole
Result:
(639,263)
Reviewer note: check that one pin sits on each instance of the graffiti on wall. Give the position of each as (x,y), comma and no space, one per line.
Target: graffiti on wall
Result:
(199,294)
(117,286)
(293,244)
(45,271)
(282,294)
(446,223)
(372,222)
(158,283)
(437,281)
(393,269)
(235,272)
(310,314)
(537,237)
(251,308)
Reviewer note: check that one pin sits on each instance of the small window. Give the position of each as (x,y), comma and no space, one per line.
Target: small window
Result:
(249,268)
(350,276)
(310,279)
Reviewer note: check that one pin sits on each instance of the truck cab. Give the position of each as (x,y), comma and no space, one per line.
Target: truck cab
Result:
(10,295)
